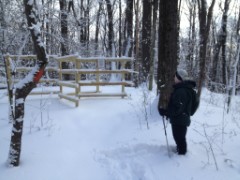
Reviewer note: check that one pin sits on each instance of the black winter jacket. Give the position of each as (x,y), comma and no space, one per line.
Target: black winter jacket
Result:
(179,104)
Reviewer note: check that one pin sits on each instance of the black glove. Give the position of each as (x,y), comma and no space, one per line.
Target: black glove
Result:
(162,112)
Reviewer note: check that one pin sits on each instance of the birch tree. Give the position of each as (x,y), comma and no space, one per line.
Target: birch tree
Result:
(24,87)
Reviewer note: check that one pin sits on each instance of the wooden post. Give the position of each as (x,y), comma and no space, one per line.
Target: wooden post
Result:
(60,74)
(78,76)
(77,66)
(8,69)
(9,86)
(123,63)
(97,75)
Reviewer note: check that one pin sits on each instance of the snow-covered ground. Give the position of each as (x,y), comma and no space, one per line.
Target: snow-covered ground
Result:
(108,139)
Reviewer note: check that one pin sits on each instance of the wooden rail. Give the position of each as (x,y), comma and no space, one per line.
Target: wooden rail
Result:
(21,65)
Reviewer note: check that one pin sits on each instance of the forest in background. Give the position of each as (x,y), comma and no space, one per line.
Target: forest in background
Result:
(130,28)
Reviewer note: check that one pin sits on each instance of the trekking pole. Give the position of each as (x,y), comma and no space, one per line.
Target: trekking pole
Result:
(163,120)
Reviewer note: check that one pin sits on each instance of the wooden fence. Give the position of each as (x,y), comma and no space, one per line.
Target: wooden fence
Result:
(95,72)
(17,67)
(102,66)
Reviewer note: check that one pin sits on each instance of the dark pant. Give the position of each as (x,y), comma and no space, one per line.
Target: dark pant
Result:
(179,135)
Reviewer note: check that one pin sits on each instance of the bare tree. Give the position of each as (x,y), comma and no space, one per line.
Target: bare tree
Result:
(220,45)
(24,87)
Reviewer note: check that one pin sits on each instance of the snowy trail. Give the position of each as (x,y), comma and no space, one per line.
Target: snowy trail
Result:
(104,139)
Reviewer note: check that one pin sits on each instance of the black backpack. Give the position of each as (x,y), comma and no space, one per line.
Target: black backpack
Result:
(195,102)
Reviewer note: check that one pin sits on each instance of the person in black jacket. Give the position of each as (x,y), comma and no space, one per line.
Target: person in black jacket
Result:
(179,109)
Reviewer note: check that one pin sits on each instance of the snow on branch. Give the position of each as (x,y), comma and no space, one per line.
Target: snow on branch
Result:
(30,2)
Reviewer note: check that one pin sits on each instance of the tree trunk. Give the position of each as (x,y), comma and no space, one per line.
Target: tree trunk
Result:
(234,70)
(2,25)
(146,40)
(128,35)
(136,42)
(204,26)
(153,41)
(120,29)
(24,87)
(64,34)
(64,27)
(167,49)
(87,27)
(191,60)
(48,49)
(110,29)
(220,45)
(82,24)
(97,26)
(110,47)
(224,34)
(127,45)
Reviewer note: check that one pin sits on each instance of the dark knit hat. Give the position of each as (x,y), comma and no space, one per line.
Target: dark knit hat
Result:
(182,75)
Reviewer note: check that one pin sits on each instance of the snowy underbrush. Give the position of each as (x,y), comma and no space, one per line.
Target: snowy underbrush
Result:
(216,130)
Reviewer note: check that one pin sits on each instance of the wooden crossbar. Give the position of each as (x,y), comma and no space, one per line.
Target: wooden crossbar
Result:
(70,98)
(94,71)
(102,95)
(43,92)
(68,84)
(24,69)
(125,83)
(110,59)
(28,57)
